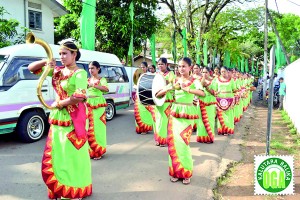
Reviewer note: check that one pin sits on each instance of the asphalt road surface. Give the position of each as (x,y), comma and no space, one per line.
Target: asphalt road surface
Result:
(133,167)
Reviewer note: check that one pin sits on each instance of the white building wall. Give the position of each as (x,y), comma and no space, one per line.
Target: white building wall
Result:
(291,103)
(16,10)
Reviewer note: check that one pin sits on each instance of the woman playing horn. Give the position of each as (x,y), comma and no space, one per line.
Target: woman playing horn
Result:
(66,150)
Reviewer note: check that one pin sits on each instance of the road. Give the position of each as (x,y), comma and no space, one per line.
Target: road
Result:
(133,167)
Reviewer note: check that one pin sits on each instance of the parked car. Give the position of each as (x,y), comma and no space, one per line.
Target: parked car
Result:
(20,109)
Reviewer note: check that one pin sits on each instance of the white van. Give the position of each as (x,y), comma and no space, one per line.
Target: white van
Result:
(20,108)
(130,71)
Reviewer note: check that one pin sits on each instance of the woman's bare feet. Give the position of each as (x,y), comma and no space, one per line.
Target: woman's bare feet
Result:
(186,181)
(173,179)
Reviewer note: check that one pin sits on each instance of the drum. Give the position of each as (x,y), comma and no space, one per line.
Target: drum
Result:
(148,85)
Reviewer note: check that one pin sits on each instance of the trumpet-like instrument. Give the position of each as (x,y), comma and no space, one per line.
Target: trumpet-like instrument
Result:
(137,74)
(31,39)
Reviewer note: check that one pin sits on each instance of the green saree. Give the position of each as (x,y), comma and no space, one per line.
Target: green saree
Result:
(96,104)
(66,165)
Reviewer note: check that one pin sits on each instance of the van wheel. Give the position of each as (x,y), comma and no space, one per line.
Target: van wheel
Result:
(110,110)
(31,126)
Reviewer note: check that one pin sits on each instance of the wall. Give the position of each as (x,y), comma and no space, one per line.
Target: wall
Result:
(292,100)
(47,32)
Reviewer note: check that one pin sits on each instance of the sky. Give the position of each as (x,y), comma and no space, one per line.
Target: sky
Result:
(284,6)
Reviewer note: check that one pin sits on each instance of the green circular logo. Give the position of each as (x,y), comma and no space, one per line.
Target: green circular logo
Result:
(274,175)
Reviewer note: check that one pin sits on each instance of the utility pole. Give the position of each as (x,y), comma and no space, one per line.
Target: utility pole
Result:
(188,13)
(145,48)
(265,50)
(270,99)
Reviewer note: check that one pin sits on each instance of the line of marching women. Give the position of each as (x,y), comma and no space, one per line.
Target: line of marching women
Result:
(197,99)
(77,124)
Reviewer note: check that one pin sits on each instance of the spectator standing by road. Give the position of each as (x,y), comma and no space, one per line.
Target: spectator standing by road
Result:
(282,92)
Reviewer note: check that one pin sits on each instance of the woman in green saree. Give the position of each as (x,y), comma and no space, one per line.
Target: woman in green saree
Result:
(207,110)
(96,103)
(144,115)
(226,88)
(162,112)
(182,118)
(66,165)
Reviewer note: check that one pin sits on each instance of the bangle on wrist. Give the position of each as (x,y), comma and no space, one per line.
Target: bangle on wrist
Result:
(189,91)
(58,105)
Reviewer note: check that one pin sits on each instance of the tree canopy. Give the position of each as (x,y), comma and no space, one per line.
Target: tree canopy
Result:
(112,26)
(236,30)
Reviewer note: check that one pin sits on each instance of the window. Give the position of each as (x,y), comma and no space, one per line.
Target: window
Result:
(18,70)
(104,72)
(115,75)
(35,20)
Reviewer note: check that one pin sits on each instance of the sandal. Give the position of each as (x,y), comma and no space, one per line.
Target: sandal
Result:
(186,181)
(143,133)
(163,145)
(98,158)
(156,143)
(173,179)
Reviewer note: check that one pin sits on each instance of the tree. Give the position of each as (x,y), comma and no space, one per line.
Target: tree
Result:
(288,26)
(197,16)
(113,25)
(8,30)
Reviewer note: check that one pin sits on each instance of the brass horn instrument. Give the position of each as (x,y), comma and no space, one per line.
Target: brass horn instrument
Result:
(31,39)
(136,75)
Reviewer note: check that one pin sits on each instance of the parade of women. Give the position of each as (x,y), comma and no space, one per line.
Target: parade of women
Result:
(149,100)
(192,100)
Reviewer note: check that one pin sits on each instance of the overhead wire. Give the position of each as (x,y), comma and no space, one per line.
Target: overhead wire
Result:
(293,2)
(277,6)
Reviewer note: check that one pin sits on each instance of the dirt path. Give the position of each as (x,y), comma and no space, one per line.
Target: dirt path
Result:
(239,180)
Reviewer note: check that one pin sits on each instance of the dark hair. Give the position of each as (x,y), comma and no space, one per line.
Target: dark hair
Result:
(97,65)
(70,45)
(207,68)
(145,64)
(197,65)
(281,78)
(153,66)
(163,60)
(187,60)
(224,67)
(217,68)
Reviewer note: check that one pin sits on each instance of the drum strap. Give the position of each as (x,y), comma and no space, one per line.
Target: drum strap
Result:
(93,96)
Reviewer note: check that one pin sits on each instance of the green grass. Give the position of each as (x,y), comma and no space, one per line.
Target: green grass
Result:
(290,126)
(276,145)
(273,152)
(293,131)
(223,180)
